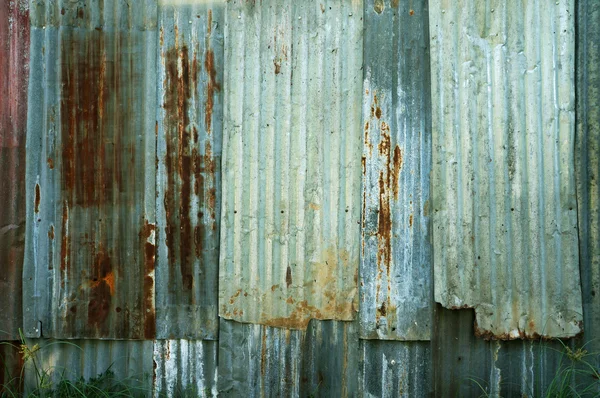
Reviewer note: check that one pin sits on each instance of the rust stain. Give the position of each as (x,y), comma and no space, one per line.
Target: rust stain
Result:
(147,239)
(50,162)
(288,277)
(65,245)
(51,232)
(178,160)
(37,198)
(411,12)
(299,318)
(397,163)
(410,220)
(212,87)
(263,353)
(209,22)
(277,64)
(395,3)
(91,144)
(101,289)
(378,6)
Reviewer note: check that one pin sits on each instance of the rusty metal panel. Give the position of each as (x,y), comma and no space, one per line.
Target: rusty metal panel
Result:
(127,363)
(504,205)
(390,369)
(185,368)
(587,149)
(395,269)
(190,78)
(291,156)
(11,368)
(14,73)
(90,176)
(258,360)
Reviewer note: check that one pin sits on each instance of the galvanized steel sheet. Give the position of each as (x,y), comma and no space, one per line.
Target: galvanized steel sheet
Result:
(291,157)
(503,182)
(185,368)
(587,157)
(189,128)
(14,74)
(259,361)
(90,176)
(395,269)
(390,369)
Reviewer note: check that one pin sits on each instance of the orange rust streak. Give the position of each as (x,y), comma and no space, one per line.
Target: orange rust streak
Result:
(396,171)
(37,198)
(211,88)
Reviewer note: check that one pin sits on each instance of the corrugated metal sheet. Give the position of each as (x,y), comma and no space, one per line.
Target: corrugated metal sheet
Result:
(504,206)
(395,272)
(185,368)
(11,368)
(14,73)
(258,361)
(292,147)
(90,175)
(395,369)
(189,168)
(126,362)
(464,365)
(587,149)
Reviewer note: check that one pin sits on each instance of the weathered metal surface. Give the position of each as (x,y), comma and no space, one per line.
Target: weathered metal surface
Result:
(395,369)
(190,79)
(464,365)
(90,176)
(14,73)
(11,368)
(292,147)
(587,149)
(185,368)
(504,206)
(128,363)
(395,270)
(259,361)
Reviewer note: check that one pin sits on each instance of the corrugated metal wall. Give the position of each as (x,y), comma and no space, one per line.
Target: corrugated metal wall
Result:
(255,198)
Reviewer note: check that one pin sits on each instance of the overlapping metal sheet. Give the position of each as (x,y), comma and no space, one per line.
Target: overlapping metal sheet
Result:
(258,360)
(91,170)
(395,369)
(190,79)
(14,74)
(291,156)
(185,368)
(395,270)
(587,159)
(504,206)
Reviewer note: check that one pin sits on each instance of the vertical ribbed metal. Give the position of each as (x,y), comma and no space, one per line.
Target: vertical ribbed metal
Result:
(259,361)
(503,186)
(189,128)
(395,271)
(587,157)
(390,369)
(14,74)
(90,174)
(291,155)
(185,368)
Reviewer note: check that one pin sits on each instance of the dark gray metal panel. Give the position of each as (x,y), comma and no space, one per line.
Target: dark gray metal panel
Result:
(190,79)
(503,184)
(395,270)
(390,369)
(588,167)
(185,368)
(90,177)
(14,74)
(11,368)
(258,361)
(464,365)
(129,362)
